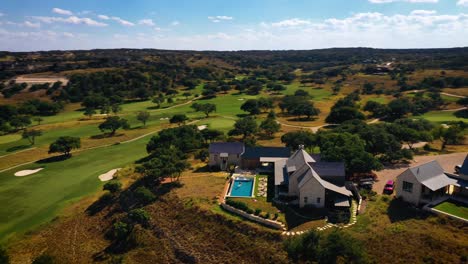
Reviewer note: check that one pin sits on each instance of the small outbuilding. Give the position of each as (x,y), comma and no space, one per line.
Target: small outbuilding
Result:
(224,154)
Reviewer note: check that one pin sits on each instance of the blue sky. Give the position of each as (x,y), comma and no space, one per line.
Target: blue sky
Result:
(232,25)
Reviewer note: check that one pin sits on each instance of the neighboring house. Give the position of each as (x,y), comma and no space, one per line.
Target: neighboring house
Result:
(299,177)
(255,157)
(224,154)
(424,183)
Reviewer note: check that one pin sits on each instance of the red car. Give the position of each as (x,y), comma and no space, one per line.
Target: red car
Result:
(389,187)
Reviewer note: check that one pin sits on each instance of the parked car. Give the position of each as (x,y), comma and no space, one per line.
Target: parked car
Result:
(457,169)
(389,187)
(366,185)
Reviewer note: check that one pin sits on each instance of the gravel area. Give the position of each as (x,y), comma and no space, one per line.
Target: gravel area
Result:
(447,162)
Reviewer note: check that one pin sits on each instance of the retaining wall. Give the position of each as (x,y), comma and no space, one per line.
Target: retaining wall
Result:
(260,220)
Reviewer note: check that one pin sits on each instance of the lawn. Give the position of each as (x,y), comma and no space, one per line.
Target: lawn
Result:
(28,202)
(454,208)
(441,116)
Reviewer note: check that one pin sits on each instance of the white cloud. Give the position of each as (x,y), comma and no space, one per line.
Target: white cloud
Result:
(409,1)
(175,23)
(103,17)
(68,34)
(423,12)
(146,22)
(217,19)
(1,14)
(70,20)
(31,24)
(291,23)
(462,3)
(62,11)
(122,21)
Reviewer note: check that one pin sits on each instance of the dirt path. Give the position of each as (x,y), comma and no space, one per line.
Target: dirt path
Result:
(447,162)
(453,95)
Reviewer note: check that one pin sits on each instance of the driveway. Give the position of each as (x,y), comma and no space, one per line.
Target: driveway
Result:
(447,162)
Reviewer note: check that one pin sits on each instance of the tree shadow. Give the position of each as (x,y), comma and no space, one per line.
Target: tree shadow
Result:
(105,135)
(242,115)
(54,159)
(299,119)
(399,210)
(16,148)
(296,216)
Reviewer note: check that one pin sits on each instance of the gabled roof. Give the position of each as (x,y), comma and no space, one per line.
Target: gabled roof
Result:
(464,168)
(325,169)
(431,175)
(269,152)
(299,158)
(227,147)
(281,174)
(306,173)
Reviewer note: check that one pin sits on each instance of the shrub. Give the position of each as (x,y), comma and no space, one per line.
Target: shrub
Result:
(239,205)
(257,212)
(139,216)
(267,216)
(144,195)
(303,247)
(112,186)
(250,211)
(120,230)
(4,258)
(275,216)
(340,246)
(385,198)
(43,259)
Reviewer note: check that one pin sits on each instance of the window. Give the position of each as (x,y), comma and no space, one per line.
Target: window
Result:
(318,200)
(305,200)
(407,187)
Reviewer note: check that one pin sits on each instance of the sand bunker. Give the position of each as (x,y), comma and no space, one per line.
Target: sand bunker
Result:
(27,172)
(203,127)
(108,175)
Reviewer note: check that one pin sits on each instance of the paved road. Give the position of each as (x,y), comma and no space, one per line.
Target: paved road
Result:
(447,162)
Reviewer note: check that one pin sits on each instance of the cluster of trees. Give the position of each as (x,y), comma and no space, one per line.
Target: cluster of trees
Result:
(14,118)
(365,147)
(299,105)
(401,107)
(345,109)
(336,247)
(255,107)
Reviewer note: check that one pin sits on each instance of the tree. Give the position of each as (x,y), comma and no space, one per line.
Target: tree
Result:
(452,135)
(38,119)
(44,259)
(265,103)
(139,216)
(31,135)
(251,106)
(294,139)
(20,122)
(339,115)
(398,108)
(89,112)
(348,148)
(211,134)
(245,126)
(65,145)
(463,101)
(143,116)
(340,247)
(301,92)
(205,108)
(114,123)
(269,126)
(116,108)
(187,95)
(184,138)
(112,186)
(158,100)
(305,247)
(166,163)
(179,119)
(304,108)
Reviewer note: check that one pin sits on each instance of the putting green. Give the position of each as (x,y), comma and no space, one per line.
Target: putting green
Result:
(28,202)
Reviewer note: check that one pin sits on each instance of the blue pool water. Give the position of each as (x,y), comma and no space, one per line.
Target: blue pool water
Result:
(242,187)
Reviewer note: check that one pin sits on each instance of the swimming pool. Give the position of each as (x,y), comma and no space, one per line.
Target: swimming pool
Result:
(242,187)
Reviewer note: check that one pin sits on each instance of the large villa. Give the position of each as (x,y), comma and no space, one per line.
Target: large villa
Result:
(298,177)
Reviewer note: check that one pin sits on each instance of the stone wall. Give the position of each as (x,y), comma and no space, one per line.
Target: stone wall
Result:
(260,220)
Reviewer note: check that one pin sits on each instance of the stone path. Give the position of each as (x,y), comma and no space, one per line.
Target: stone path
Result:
(352,221)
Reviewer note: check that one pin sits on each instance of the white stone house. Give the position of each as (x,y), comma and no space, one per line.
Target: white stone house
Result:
(423,184)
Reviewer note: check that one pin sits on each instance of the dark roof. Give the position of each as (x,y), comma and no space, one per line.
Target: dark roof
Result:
(227,147)
(464,168)
(325,169)
(266,152)
(430,175)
